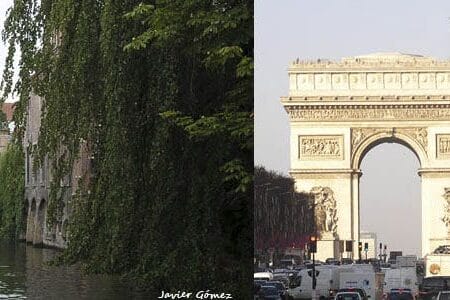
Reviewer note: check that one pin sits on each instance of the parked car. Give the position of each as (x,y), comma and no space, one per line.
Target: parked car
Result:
(431,286)
(443,295)
(399,294)
(347,296)
(361,292)
(346,261)
(270,292)
(279,286)
(332,261)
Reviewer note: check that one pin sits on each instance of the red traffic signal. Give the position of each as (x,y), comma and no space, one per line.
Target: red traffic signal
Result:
(312,244)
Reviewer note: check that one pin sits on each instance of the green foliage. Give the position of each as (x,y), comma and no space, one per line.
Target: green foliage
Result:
(161,92)
(12,216)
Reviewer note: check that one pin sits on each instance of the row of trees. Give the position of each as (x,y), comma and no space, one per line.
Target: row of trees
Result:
(162,91)
(283,218)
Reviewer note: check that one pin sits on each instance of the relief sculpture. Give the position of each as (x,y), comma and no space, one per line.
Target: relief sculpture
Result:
(418,134)
(325,210)
(320,147)
(443,146)
(446,218)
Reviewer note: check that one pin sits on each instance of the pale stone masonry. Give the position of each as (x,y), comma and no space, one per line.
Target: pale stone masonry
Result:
(37,185)
(339,110)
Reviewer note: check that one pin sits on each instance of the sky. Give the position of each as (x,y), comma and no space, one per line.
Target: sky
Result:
(285,30)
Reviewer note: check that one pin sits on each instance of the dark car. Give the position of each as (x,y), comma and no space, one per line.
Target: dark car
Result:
(332,261)
(279,286)
(346,261)
(361,292)
(431,286)
(400,294)
(270,292)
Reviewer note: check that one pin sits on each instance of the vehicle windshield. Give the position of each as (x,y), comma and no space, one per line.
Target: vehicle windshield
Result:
(278,285)
(401,296)
(444,296)
(295,281)
(349,296)
(353,290)
(434,282)
(269,290)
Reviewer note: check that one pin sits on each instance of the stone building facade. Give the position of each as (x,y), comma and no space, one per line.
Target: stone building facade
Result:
(339,110)
(37,186)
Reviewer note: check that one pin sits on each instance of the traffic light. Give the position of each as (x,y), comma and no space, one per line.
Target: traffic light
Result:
(360,246)
(349,246)
(366,246)
(312,244)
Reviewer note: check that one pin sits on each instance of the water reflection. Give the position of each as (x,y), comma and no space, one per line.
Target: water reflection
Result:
(25,275)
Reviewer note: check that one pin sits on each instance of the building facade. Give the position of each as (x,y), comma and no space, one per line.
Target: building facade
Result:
(340,110)
(37,186)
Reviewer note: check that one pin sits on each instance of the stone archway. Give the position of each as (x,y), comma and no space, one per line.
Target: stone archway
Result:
(30,221)
(38,237)
(339,110)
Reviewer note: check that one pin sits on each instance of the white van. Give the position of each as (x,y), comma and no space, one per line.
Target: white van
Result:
(401,278)
(327,280)
(360,280)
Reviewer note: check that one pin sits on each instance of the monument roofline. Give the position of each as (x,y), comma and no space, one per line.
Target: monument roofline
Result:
(390,73)
(380,60)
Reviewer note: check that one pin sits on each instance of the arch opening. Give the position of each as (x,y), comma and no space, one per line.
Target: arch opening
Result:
(31,221)
(40,223)
(390,194)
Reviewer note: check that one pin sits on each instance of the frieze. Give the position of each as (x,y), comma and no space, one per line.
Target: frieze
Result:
(314,147)
(364,98)
(443,146)
(354,81)
(327,113)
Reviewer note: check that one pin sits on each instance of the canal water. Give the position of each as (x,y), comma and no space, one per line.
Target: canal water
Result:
(25,274)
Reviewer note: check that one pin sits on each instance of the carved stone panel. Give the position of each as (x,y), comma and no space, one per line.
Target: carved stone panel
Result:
(375,81)
(419,134)
(325,211)
(357,81)
(361,134)
(340,81)
(392,81)
(427,80)
(443,80)
(322,81)
(305,81)
(446,217)
(410,81)
(443,146)
(320,147)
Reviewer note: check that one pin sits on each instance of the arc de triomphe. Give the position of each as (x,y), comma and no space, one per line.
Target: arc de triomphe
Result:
(338,111)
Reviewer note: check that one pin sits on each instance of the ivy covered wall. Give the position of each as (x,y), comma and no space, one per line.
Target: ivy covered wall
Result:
(163,93)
